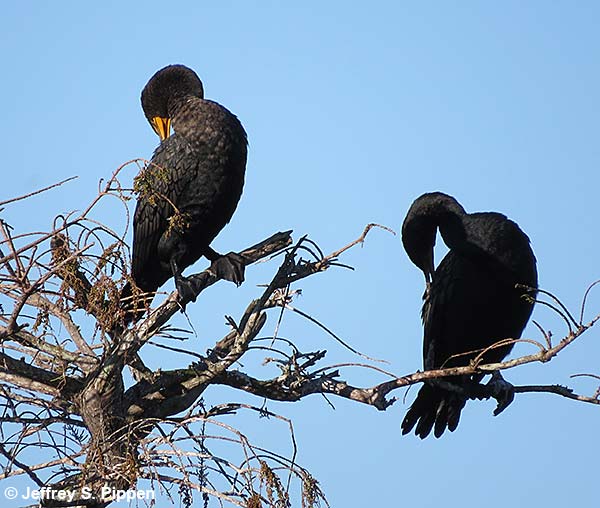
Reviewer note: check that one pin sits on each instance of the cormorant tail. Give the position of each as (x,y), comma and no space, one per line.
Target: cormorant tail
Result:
(434,408)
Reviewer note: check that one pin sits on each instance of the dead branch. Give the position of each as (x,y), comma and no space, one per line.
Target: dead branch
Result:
(68,392)
(39,191)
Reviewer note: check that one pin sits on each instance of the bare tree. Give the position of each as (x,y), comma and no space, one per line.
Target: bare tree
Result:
(66,350)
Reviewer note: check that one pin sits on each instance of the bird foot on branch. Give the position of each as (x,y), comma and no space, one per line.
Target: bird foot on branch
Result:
(199,366)
(502,391)
(497,388)
(185,290)
(229,267)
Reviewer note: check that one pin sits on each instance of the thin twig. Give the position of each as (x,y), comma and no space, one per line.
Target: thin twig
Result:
(25,196)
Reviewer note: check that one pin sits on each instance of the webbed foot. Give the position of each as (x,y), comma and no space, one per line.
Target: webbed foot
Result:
(502,391)
(185,290)
(229,267)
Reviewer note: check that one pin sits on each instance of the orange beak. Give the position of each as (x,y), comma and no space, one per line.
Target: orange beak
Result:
(162,127)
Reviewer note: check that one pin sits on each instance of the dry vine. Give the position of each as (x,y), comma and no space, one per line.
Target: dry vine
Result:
(62,374)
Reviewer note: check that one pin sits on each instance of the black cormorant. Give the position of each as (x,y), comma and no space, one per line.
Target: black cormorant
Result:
(192,185)
(471,301)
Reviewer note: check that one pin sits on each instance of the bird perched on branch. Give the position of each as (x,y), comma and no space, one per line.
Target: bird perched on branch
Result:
(472,300)
(191,187)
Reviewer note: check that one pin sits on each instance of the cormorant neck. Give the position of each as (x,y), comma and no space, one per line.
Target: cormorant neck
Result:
(446,214)
(453,231)
(430,212)
(177,102)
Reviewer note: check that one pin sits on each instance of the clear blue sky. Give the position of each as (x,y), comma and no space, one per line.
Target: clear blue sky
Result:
(352,111)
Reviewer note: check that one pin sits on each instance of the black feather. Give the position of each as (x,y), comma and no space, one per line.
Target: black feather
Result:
(191,188)
(471,302)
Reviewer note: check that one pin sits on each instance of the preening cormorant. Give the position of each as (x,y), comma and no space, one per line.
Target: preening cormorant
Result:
(192,185)
(471,301)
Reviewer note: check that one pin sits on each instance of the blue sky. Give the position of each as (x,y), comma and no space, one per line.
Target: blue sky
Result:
(352,111)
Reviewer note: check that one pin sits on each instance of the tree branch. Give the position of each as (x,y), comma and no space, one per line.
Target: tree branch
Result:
(27,376)
(136,337)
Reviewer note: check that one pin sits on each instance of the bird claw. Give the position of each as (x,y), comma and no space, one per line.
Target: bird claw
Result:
(229,267)
(200,365)
(502,391)
(185,290)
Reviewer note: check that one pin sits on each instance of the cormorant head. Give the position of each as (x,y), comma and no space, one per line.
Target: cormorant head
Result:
(428,213)
(418,238)
(168,85)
